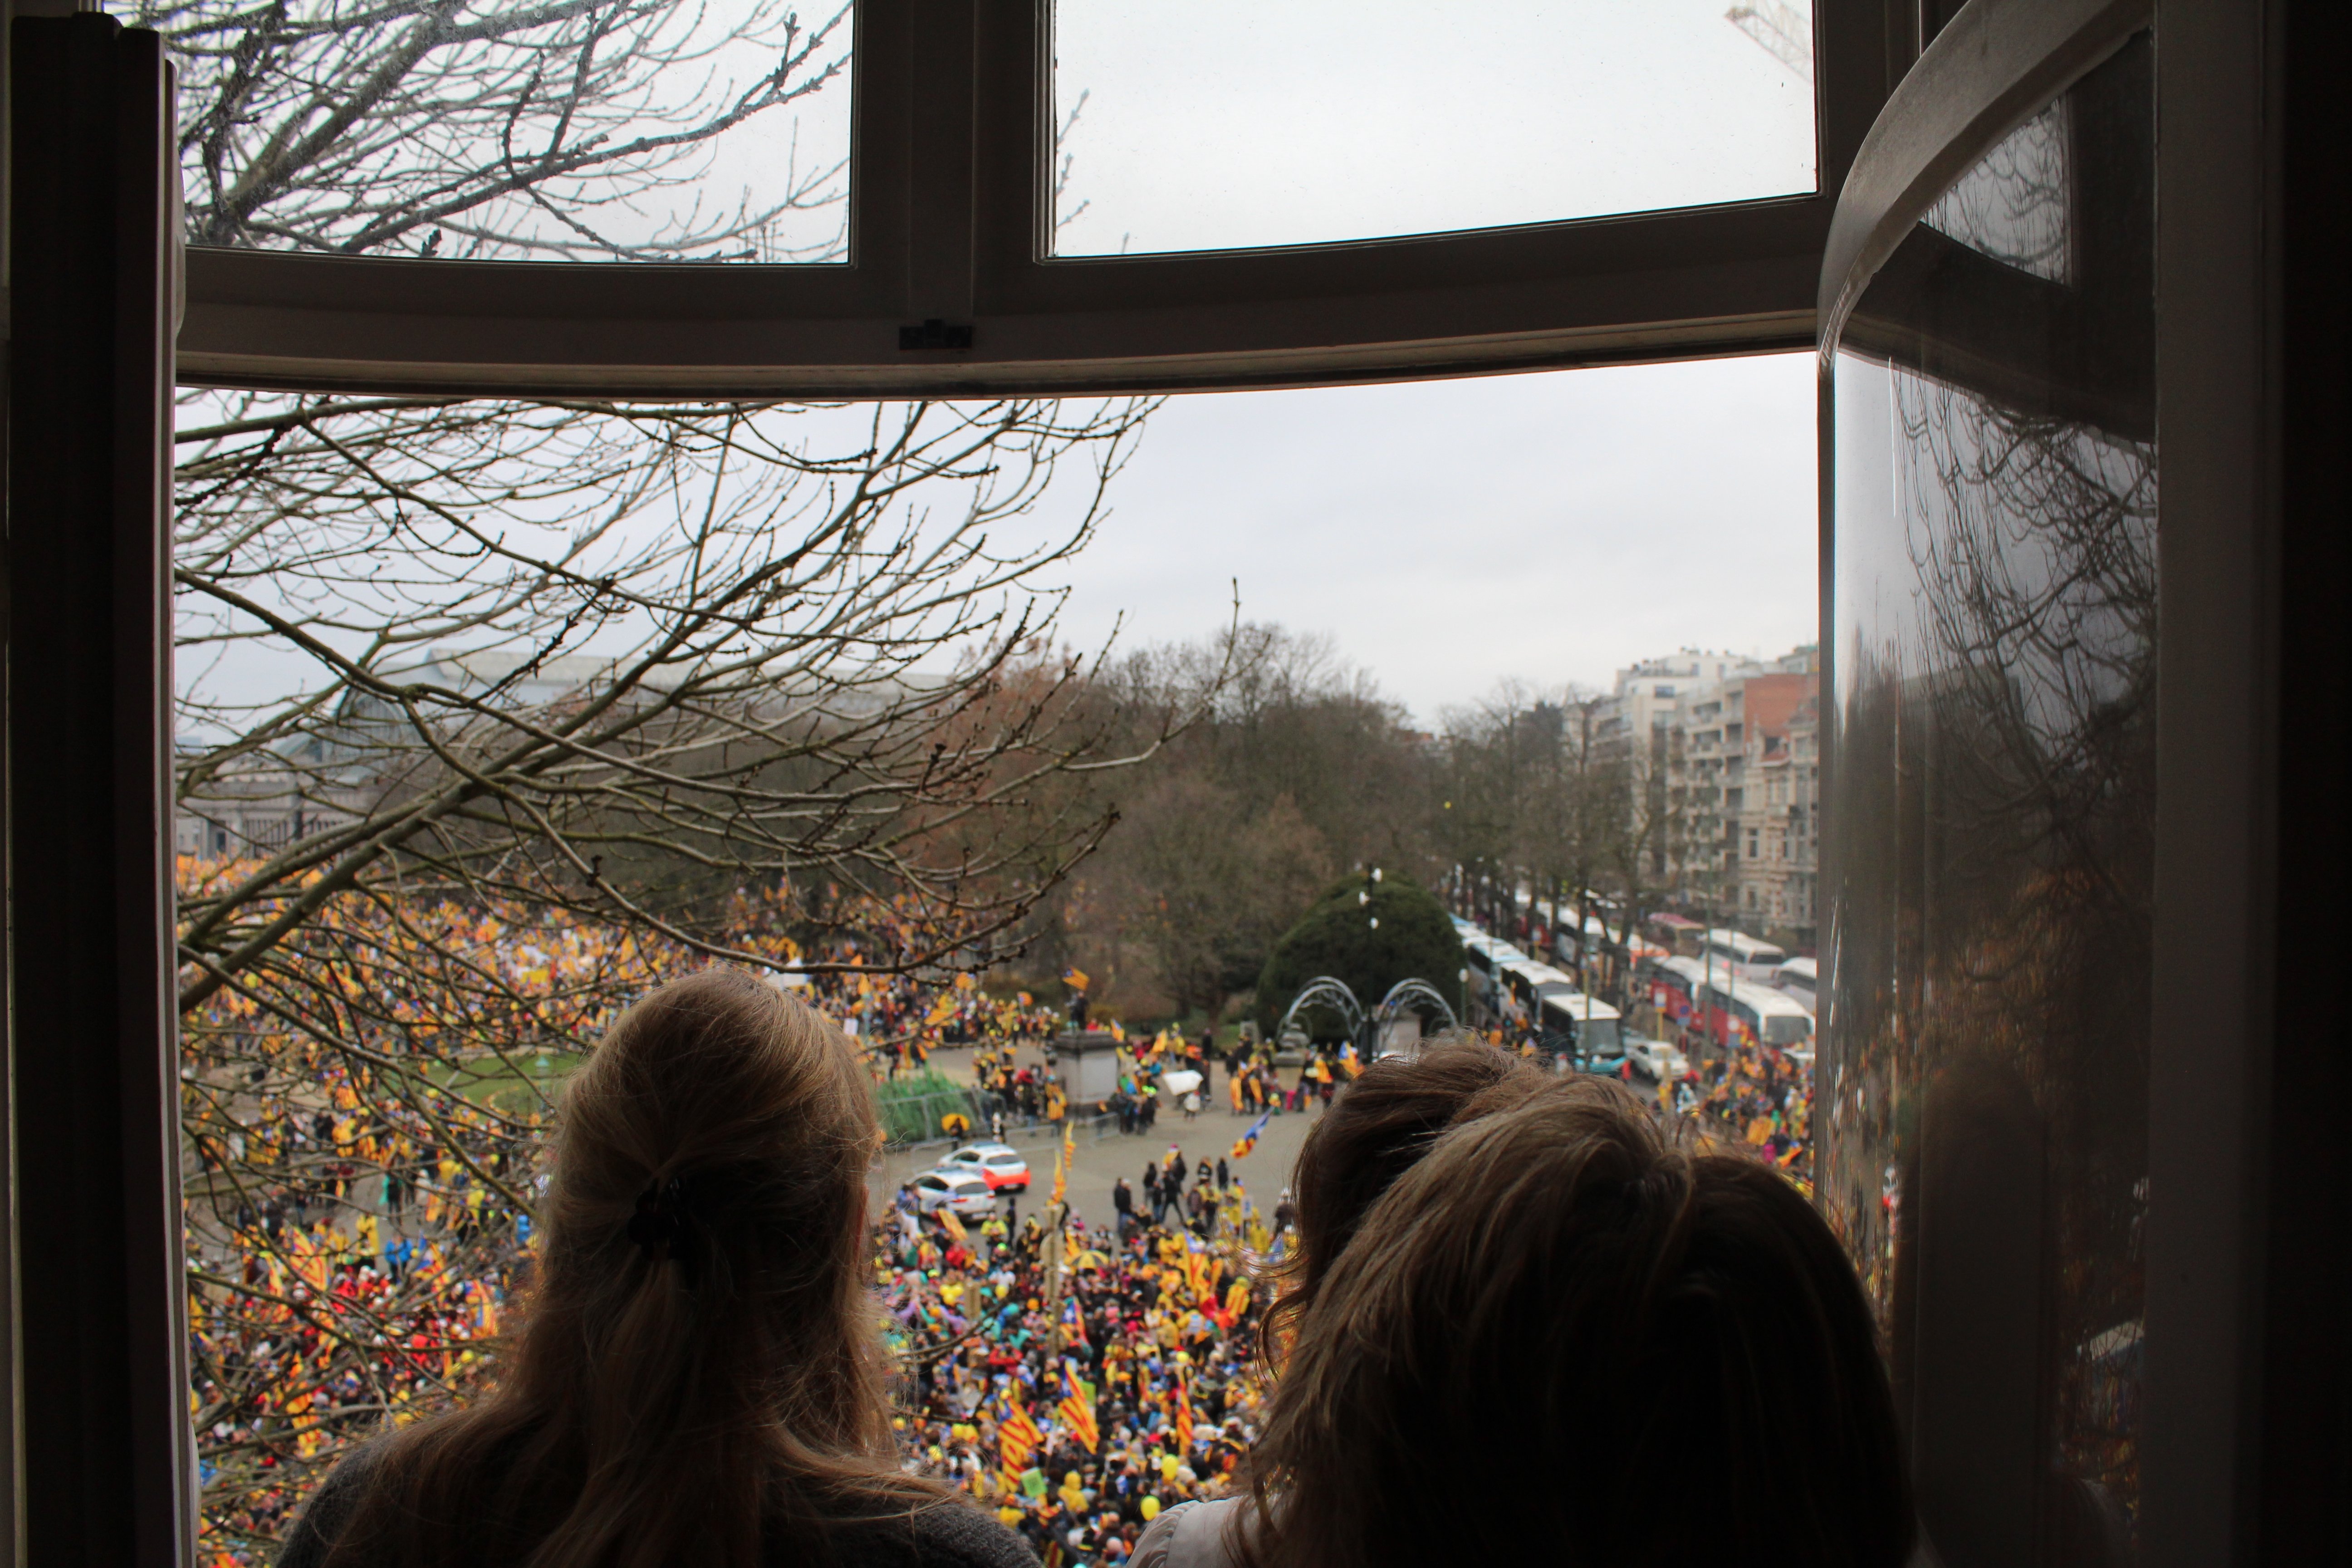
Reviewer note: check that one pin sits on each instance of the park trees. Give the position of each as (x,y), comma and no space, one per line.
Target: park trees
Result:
(1291,766)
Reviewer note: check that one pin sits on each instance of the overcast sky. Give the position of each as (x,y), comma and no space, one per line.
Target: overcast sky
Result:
(1238,122)
(1448,534)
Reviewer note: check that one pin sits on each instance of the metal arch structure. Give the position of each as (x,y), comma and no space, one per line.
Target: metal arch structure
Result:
(1323,991)
(1412,992)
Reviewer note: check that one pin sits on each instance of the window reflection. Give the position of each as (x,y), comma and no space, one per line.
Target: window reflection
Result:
(613,130)
(1984,1096)
(2012,205)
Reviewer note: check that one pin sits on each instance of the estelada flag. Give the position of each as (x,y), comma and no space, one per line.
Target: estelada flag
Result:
(1017,1436)
(1076,979)
(1077,1409)
(1248,1141)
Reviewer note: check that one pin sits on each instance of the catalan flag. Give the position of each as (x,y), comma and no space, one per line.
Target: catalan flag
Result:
(1248,1141)
(1017,1437)
(1076,979)
(1077,1409)
(1062,1161)
(1183,1416)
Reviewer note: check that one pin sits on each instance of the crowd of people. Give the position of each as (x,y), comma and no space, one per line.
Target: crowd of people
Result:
(361,1118)
(1076,1398)
(361,1188)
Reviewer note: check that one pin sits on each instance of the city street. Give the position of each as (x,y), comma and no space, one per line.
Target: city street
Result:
(1102,1160)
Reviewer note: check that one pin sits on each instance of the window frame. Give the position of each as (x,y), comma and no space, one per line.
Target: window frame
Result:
(950,219)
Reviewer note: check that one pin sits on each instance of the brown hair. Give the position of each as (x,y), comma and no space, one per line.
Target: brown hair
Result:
(1565,1336)
(690,1384)
(1375,1130)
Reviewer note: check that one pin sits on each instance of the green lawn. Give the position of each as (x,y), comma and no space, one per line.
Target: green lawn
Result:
(518,1084)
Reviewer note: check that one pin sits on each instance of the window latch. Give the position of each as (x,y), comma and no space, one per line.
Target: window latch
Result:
(935,334)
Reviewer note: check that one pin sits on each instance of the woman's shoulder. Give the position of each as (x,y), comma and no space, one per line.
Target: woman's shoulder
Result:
(945,1535)
(326,1510)
(1190,1535)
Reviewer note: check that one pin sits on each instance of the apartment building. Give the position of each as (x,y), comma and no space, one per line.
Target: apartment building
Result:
(1778,826)
(1724,731)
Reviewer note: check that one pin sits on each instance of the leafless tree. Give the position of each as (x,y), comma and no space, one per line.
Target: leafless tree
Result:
(493,713)
(554,129)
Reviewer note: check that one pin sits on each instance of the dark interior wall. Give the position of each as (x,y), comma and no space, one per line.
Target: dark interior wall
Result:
(2305,1427)
(106,1472)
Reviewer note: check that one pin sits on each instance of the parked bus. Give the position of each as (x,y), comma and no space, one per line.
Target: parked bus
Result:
(1580,1026)
(1529,981)
(1754,1014)
(1487,957)
(1796,977)
(1674,986)
(1745,957)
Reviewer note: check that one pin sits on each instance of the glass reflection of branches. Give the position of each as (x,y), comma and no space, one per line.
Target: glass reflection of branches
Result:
(2034,540)
(2013,206)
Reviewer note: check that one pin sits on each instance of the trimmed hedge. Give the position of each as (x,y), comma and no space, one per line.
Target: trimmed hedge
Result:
(911,1105)
(1414,940)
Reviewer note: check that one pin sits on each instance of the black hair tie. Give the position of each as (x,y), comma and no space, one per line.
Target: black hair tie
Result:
(663,1225)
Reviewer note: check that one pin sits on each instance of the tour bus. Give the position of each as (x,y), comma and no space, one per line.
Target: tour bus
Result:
(1485,955)
(1578,1025)
(1796,977)
(1529,982)
(1564,943)
(1756,1012)
(1747,958)
(1674,986)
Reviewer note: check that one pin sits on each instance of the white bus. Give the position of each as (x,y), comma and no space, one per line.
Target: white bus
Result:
(1797,978)
(1486,957)
(1730,1009)
(1527,980)
(1743,957)
(1579,1025)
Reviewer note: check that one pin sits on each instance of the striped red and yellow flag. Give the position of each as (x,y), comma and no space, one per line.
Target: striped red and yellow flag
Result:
(1017,1437)
(1183,1416)
(1077,1410)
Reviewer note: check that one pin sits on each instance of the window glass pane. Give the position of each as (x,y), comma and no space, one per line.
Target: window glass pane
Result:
(1989,976)
(1226,124)
(510,130)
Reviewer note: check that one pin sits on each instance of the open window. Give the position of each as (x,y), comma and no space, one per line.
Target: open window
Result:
(1653,187)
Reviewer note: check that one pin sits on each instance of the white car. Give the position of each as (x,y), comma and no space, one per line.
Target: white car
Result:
(1656,1060)
(1001,1165)
(958,1192)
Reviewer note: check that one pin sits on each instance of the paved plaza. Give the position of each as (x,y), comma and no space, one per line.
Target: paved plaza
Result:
(1103,1157)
